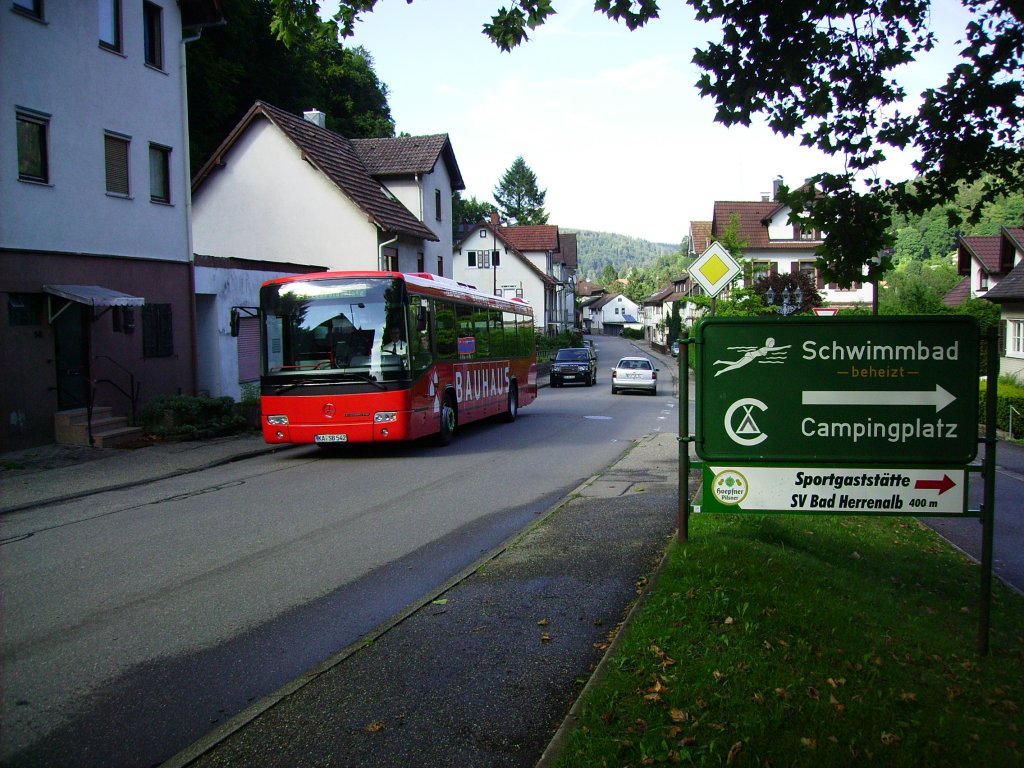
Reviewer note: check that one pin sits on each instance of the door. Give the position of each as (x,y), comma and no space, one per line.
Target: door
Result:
(71,355)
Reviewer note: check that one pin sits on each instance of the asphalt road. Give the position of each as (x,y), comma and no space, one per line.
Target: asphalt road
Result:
(164,609)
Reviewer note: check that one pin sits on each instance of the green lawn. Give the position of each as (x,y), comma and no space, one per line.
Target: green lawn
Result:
(810,641)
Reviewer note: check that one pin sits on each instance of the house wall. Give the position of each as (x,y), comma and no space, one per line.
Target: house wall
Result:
(217,291)
(512,272)
(289,212)
(1012,363)
(69,230)
(28,397)
(58,68)
(418,197)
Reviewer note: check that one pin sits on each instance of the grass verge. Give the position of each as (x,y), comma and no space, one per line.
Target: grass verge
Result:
(810,641)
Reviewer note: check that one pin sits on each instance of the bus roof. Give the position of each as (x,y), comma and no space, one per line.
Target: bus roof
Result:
(423,283)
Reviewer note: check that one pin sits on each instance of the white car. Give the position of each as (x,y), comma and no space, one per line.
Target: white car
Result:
(635,373)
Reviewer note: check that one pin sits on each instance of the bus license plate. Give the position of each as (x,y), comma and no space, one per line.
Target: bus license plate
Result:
(331,438)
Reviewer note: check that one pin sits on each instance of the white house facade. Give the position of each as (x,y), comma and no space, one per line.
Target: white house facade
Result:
(95,257)
(524,262)
(283,195)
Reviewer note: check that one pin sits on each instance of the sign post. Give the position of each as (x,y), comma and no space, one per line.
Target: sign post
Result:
(845,415)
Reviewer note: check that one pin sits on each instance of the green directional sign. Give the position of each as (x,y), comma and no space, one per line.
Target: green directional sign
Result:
(899,390)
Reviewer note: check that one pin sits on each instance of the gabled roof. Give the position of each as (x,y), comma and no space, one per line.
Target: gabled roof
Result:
(1010,287)
(958,294)
(753,225)
(336,158)
(604,300)
(500,233)
(585,288)
(408,156)
(532,237)
(567,252)
(700,236)
(985,249)
(659,296)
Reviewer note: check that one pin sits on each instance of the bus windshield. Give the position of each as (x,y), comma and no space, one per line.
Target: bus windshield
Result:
(357,325)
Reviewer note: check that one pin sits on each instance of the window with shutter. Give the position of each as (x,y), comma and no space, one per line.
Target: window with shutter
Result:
(157,332)
(248,348)
(116,159)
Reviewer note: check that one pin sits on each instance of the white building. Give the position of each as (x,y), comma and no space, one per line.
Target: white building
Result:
(522,261)
(284,195)
(95,258)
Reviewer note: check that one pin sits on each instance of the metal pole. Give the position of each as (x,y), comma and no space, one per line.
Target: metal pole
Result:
(683,511)
(988,505)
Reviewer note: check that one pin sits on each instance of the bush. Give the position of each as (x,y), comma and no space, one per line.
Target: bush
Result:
(1008,395)
(633,333)
(548,345)
(185,417)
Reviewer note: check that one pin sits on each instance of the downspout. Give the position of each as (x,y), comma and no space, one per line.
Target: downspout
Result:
(187,186)
(187,163)
(380,252)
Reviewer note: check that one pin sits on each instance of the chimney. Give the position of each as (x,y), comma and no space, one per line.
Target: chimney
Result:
(776,183)
(494,220)
(316,117)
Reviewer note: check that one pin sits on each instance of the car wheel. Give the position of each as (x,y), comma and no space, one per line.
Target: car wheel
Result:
(513,405)
(614,390)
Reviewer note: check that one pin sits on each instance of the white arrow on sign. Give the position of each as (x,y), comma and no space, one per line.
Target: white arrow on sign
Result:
(940,398)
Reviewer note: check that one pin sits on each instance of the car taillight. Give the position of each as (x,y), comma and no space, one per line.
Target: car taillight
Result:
(654,374)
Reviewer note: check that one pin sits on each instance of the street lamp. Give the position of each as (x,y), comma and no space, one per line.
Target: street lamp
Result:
(786,308)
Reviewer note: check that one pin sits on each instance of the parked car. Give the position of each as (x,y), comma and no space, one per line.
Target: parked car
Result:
(634,373)
(591,346)
(675,349)
(574,365)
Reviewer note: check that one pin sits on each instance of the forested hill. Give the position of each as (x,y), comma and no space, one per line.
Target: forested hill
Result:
(596,250)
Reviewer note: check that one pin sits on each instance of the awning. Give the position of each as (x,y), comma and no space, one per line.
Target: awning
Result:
(92,296)
(95,295)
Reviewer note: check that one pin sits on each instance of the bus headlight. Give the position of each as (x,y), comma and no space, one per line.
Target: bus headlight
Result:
(385,417)
(278,421)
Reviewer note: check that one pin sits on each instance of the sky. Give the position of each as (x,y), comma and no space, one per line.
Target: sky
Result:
(609,120)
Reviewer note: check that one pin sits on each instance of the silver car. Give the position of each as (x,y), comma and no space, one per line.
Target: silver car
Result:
(634,373)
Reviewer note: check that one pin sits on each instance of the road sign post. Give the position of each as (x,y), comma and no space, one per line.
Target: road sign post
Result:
(846,416)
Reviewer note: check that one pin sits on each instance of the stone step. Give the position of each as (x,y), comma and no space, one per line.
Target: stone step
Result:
(81,415)
(71,427)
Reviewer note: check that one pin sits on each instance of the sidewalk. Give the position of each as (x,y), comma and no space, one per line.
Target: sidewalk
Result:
(54,473)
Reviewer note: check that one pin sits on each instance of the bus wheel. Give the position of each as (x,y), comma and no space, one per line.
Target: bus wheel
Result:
(513,405)
(449,420)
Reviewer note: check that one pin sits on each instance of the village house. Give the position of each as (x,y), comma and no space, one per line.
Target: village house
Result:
(95,251)
(284,195)
(527,262)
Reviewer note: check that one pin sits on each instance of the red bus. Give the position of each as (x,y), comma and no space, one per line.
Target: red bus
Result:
(385,356)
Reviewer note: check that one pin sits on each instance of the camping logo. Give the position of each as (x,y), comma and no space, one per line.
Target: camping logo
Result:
(740,424)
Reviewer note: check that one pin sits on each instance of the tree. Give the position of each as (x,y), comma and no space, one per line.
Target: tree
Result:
(230,67)
(825,72)
(609,277)
(518,196)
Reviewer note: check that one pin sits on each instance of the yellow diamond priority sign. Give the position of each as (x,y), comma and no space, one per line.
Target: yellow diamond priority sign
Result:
(714,269)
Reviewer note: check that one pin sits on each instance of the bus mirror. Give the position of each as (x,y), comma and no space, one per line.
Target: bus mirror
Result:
(234,321)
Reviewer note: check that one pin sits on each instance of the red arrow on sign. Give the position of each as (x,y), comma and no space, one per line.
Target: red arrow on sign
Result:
(941,486)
